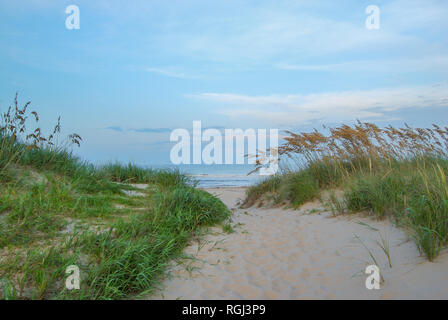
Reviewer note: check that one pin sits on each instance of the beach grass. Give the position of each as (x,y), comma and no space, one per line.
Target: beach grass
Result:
(396,173)
(57,210)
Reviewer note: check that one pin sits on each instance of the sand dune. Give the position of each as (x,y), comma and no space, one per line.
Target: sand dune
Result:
(302,254)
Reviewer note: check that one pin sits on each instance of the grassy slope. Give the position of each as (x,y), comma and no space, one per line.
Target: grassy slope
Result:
(121,242)
(56,211)
(407,185)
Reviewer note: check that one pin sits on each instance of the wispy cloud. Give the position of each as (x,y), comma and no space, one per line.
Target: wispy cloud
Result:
(170,73)
(151,130)
(115,128)
(156,130)
(329,106)
(437,63)
(298,30)
(138,130)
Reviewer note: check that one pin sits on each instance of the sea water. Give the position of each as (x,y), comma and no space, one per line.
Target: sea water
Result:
(215,176)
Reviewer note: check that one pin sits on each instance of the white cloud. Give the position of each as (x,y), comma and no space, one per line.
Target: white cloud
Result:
(438,63)
(293,109)
(170,73)
(272,30)
(407,15)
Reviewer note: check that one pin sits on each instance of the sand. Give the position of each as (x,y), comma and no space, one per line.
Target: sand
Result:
(301,254)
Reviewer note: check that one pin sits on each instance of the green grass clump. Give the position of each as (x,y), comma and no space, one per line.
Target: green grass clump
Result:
(415,197)
(132,173)
(300,187)
(57,210)
(267,186)
(127,174)
(398,173)
(131,254)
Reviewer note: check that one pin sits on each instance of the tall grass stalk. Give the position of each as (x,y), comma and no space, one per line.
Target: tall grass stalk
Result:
(399,173)
(57,210)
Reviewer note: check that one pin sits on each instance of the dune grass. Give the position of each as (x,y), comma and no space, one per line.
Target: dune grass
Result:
(396,173)
(57,210)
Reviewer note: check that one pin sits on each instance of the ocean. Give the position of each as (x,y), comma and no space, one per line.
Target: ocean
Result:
(216,176)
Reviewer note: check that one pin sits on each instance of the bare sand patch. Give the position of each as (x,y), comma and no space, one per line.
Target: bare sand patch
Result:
(302,254)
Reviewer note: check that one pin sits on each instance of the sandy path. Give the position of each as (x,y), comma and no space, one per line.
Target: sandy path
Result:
(287,254)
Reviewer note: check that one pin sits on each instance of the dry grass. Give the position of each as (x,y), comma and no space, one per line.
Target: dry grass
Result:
(16,140)
(387,172)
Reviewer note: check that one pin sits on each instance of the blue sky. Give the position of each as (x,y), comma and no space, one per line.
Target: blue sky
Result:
(137,69)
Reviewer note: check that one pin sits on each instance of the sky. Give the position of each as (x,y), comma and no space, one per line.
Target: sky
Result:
(136,70)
